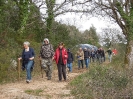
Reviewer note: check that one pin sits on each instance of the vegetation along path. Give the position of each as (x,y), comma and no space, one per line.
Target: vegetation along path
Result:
(39,88)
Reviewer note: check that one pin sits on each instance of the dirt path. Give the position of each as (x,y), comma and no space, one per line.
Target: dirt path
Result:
(41,88)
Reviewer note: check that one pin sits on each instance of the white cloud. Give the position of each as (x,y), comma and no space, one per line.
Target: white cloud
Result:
(83,23)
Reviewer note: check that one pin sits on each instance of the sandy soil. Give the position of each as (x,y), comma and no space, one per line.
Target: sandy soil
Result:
(50,89)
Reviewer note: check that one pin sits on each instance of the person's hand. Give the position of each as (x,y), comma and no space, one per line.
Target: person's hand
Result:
(52,58)
(31,58)
(65,56)
(19,58)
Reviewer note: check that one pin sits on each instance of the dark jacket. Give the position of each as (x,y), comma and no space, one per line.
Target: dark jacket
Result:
(109,52)
(93,53)
(70,57)
(86,54)
(26,56)
(100,53)
(103,53)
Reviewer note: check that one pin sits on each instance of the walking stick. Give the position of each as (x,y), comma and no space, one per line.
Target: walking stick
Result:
(41,69)
(19,70)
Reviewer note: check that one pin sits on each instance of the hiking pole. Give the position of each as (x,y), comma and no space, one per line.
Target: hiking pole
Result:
(19,70)
(41,68)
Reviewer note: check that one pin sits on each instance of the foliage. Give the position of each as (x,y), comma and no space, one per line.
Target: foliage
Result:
(91,36)
(100,82)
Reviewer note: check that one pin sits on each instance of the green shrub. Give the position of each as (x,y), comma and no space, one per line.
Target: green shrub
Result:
(99,82)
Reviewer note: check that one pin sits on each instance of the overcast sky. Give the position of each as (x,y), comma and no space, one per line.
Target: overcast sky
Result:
(85,23)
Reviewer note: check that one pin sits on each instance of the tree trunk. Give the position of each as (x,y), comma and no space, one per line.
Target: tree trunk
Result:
(129,54)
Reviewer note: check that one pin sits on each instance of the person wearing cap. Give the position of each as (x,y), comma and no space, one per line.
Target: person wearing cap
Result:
(61,60)
(109,51)
(86,57)
(80,57)
(28,60)
(46,54)
(69,60)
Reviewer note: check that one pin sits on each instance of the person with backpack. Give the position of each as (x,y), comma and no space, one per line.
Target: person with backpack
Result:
(28,60)
(86,57)
(80,57)
(109,51)
(60,57)
(69,60)
(46,54)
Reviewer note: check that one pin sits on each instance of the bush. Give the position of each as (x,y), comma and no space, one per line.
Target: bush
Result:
(99,83)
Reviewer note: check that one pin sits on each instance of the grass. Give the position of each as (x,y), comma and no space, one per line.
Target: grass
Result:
(36,92)
(102,82)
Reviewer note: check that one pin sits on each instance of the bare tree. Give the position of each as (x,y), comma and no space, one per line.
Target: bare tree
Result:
(111,37)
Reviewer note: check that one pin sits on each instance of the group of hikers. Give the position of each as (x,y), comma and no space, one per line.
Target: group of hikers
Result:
(63,57)
(93,55)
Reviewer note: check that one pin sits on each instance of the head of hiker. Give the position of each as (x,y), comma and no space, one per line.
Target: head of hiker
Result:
(85,49)
(46,41)
(61,45)
(80,49)
(68,50)
(26,44)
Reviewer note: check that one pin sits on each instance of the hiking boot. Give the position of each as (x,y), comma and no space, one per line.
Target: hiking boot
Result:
(60,81)
(28,81)
(49,78)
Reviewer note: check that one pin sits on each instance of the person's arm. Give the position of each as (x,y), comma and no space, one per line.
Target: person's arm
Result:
(72,57)
(65,54)
(55,55)
(33,54)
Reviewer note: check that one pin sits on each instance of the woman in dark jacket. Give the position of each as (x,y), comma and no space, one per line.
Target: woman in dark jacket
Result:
(28,59)
(61,59)
(86,57)
(69,60)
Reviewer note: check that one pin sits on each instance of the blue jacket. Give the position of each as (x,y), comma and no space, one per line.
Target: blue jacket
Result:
(26,56)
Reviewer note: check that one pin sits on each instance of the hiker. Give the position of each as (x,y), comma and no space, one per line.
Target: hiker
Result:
(114,52)
(28,60)
(93,55)
(69,60)
(103,55)
(60,57)
(80,57)
(46,54)
(86,57)
(109,54)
